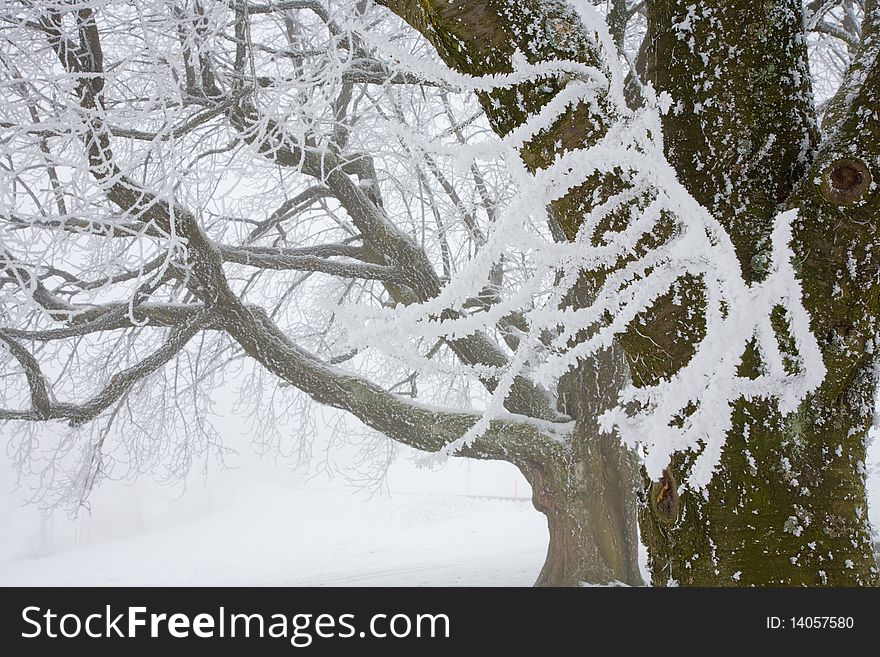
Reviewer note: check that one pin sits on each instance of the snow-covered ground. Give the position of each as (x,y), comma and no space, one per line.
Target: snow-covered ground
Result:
(237,531)
(272,535)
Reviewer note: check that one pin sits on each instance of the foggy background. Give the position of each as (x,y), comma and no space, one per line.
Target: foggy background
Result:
(261,520)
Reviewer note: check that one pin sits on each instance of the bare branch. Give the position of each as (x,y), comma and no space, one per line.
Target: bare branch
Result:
(836,31)
(283,261)
(96,227)
(119,384)
(516,439)
(287,209)
(36,381)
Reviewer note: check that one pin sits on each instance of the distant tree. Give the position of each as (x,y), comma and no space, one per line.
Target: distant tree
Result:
(523,230)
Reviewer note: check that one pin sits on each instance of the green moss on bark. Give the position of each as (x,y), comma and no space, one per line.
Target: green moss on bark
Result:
(788,504)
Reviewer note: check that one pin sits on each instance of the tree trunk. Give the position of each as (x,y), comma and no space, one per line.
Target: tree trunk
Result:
(589,493)
(787,505)
(588,500)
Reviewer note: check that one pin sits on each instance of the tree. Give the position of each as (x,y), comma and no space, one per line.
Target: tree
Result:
(681,257)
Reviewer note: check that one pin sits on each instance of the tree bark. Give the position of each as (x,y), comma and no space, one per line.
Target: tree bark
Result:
(589,495)
(787,506)
(588,501)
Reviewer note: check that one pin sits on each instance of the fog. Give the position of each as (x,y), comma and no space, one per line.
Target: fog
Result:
(123,509)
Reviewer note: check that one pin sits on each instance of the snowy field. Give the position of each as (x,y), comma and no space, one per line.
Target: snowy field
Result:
(279,536)
(462,528)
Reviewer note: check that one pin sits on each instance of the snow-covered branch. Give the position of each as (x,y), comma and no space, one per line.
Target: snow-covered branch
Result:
(44,406)
(279,260)
(648,242)
(188,270)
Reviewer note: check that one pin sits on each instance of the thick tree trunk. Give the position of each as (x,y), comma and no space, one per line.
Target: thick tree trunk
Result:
(589,494)
(786,508)
(588,499)
(787,505)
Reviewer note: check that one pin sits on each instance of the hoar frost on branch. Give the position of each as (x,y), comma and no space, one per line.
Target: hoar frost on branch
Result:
(228,154)
(158,196)
(692,409)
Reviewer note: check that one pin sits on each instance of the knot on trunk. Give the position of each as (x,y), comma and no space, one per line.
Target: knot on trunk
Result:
(845,181)
(664,498)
